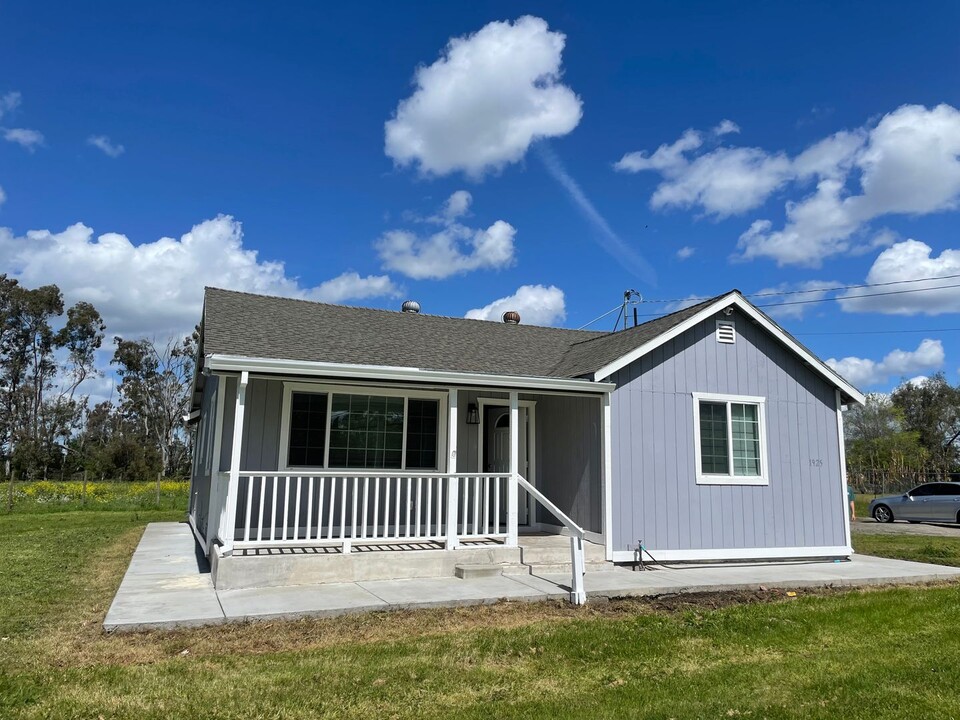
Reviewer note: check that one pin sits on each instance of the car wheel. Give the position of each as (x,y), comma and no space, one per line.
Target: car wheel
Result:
(881,513)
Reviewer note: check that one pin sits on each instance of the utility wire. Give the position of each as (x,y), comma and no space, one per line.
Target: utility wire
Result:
(773,293)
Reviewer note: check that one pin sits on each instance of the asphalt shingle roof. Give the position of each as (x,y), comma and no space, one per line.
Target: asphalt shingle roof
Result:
(242,324)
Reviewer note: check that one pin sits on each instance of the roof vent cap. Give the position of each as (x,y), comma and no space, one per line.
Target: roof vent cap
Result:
(410,306)
(511,317)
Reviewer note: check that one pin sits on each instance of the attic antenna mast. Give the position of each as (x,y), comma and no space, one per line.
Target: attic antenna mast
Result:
(630,297)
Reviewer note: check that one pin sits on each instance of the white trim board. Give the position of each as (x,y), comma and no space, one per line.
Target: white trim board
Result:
(733,554)
(734,299)
(236,363)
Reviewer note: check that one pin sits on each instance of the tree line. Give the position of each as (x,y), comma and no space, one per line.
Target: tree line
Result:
(911,434)
(48,427)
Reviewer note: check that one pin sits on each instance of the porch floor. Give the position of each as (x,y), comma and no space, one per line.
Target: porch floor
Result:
(168,585)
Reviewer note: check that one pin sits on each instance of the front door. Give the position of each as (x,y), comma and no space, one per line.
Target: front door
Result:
(496,452)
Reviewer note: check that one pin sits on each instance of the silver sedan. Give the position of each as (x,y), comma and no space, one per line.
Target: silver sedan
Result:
(931,502)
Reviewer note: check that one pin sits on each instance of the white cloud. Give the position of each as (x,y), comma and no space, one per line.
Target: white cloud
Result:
(537,305)
(3,196)
(808,290)
(455,206)
(452,250)
(103,143)
(484,101)
(909,260)
(864,372)
(9,101)
(442,254)
(685,252)
(27,139)
(725,181)
(726,127)
(907,162)
(156,288)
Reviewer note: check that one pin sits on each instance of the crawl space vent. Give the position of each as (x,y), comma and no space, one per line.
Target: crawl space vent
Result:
(726,332)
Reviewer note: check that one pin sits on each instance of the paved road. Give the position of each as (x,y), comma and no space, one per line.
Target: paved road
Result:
(870,525)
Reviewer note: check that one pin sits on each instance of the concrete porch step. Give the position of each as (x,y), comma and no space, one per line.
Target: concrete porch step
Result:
(547,568)
(470,571)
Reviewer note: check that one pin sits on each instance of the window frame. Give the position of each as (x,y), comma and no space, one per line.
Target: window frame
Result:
(730,479)
(289,388)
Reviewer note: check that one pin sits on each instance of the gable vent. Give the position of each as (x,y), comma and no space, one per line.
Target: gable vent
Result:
(726,332)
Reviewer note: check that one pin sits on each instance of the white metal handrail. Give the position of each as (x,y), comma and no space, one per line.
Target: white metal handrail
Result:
(578,593)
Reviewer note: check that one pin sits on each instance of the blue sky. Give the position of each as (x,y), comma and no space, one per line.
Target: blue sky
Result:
(524,155)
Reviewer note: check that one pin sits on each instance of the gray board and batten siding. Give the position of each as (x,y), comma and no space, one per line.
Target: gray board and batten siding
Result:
(656,498)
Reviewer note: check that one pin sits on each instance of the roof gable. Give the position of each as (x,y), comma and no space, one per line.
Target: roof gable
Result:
(241,325)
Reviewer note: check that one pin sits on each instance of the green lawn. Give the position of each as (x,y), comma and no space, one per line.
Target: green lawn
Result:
(858,654)
(921,548)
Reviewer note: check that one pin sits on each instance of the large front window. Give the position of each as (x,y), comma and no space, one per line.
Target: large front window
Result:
(729,439)
(361,431)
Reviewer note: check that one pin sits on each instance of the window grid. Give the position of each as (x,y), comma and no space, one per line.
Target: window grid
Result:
(344,430)
(730,438)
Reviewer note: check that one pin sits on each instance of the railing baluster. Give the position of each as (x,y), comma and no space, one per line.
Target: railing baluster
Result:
(246,523)
(331,507)
(286,505)
(320,508)
(353,516)
(343,507)
(376,507)
(273,511)
(439,533)
(409,483)
(418,508)
(309,508)
(476,504)
(496,505)
(486,504)
(429,507)
(296,510)
(386,508)
(260,504)
(464,507)
(363,510)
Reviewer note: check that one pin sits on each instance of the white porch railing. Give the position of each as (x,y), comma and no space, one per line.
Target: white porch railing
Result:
(277,509)
(331,508)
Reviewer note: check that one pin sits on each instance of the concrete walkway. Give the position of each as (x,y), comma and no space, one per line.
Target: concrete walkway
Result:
(168,585)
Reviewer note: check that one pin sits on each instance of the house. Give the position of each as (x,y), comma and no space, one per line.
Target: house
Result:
(707,434)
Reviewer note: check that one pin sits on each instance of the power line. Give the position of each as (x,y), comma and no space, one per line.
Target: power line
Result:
(773,293)
(833,299)
(880,332)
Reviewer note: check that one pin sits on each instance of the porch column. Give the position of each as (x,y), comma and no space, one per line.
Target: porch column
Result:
(230,516)
(216,502)
(512,494)
(607,475)
(453,495)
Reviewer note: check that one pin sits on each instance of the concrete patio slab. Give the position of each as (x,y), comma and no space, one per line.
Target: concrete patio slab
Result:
(168,585)
(298,601)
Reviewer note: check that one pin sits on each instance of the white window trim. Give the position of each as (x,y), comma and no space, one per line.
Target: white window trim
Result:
(710,479)
(406,393)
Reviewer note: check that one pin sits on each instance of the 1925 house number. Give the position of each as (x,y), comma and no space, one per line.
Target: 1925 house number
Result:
(816,462)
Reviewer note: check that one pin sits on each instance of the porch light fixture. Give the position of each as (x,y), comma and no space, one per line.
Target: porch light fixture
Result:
(473,414)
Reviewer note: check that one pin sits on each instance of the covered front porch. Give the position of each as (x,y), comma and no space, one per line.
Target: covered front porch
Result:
(489,466)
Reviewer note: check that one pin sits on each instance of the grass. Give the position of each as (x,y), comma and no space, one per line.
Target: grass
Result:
(856,654)
(919,548)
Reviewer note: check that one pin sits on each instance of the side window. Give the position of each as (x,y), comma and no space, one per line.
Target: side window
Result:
(921,491)
(946,489)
